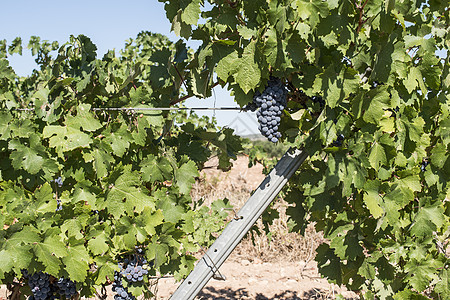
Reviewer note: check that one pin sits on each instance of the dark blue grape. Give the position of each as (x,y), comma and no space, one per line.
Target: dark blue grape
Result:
(59,181)
(424,165)
(338,142)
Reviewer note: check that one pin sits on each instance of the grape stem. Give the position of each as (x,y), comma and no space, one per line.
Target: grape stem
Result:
(361,22)
(181,76)
(14,287)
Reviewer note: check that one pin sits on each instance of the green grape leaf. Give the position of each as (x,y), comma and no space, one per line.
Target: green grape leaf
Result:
(44,254)
(6,263)
(119,141)
(427,220)
(84,119)
(374,104)
(84,192)
(156,169)
(6,72)
(64,138)
(248,73)
(125,194)
(101,160)
(328,263)
(372,198)
(191,12)
(157,252)
(44,199)
(28,235)
(105,269)
(185,176)
(227,65)
(439,156)
(402,190)
(420,273)
(377,156)
(98,244)
(149,219)
(33,158)
(77,262)
(442,287)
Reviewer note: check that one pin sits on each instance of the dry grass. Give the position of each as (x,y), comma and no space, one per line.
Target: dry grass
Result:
(236,185)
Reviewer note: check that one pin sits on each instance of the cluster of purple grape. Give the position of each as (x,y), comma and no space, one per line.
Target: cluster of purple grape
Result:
(43,288)
(40,286)
(118,288)
(338,141)
(424,165)
(66,287)
(133,271)
(59,181)
(270,103)
(318,99)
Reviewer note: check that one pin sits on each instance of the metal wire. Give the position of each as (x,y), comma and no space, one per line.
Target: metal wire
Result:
(168,108)
(150,108)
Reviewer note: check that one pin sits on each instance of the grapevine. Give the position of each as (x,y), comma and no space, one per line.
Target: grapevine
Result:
(78,187)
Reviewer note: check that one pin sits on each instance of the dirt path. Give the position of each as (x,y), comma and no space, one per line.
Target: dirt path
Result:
(245,280)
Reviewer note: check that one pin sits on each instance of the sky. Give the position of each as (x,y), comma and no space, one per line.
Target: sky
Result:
(109,24)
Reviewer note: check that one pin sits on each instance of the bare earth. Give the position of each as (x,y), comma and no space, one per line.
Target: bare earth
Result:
(257,280)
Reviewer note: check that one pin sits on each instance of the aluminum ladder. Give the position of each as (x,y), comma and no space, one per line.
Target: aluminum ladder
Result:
(238,227)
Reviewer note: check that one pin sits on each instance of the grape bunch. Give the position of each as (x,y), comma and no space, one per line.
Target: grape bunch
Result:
(338,141)
(135,268)
(43,286)
(424,165)
(270,103)
(133,271)
(118,288)
(58,205)
(66,287)
(59,181)
(40,286)
(318,99)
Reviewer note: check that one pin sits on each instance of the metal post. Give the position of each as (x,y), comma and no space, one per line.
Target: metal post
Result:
(208,265)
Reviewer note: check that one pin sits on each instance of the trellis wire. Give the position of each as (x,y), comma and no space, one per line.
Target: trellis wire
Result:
(150,108)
